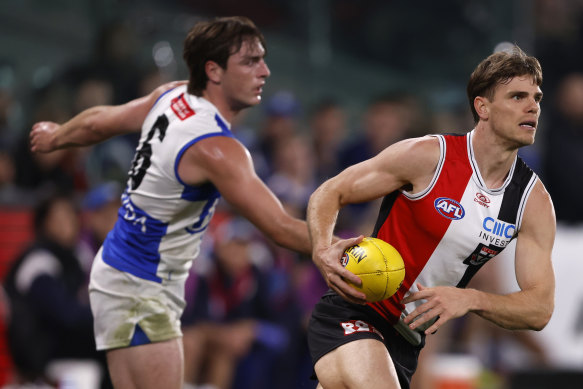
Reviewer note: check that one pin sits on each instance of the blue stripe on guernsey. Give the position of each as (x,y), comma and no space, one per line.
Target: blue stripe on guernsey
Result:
(132,245)
(199,193)
(159,97)
(221,123)
(205,215)
(186,146)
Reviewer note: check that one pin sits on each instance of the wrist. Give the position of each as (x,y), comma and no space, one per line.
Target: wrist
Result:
(477,300)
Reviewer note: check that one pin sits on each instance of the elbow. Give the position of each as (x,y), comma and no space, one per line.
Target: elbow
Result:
(543,318)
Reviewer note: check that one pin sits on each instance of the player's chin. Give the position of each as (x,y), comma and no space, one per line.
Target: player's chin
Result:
(255,100)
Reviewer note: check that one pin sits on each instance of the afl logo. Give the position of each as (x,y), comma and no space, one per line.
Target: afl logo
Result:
(344,259)
(449,208)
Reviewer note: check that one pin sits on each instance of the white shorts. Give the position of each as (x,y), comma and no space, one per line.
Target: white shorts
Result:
(121,301)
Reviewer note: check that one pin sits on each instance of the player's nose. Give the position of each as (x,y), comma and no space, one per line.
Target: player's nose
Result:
(264,71)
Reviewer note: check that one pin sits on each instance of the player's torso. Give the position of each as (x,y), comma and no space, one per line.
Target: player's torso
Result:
(162,220)
(447,232)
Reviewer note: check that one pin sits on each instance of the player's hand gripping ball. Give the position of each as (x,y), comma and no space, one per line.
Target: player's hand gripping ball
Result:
(378,264)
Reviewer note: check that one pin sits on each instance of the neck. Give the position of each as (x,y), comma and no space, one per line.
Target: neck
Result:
(493,157)
(221,103)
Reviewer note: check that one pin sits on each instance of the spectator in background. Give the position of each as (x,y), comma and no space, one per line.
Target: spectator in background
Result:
(328,128)
(9,192)
(387,119)
(233,336)
(50,320)
(36,173)
(108,161)
(99,213)
(293,179)
(282,112)
(115,59)
(563,155)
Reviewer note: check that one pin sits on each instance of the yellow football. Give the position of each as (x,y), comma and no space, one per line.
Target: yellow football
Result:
(378,264)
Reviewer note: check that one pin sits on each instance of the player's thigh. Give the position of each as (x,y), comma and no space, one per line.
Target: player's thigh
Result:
(149,366)
(363,363)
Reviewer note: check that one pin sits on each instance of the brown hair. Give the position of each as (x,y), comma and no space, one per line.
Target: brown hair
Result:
(500,68)
(215,40)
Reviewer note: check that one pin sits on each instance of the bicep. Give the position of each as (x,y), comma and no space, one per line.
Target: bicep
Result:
(250,196)
(535,242)
(407,163)
(228,165)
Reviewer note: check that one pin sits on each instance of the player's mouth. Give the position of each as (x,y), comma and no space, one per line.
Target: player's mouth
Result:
(530,125)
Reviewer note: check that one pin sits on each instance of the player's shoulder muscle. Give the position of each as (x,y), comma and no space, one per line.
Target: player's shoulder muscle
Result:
(412,157)
(539,214)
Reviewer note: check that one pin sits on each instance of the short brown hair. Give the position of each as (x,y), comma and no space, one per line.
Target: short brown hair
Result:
(215,40)
(500,68)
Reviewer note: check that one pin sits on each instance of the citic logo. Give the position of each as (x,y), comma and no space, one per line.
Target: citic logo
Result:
(449,208)
(496,227)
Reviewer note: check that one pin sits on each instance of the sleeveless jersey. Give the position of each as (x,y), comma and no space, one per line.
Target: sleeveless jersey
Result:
(162,220)
(448,231)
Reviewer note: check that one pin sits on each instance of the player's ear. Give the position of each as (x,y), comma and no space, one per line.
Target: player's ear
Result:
(213,71)
(481,106)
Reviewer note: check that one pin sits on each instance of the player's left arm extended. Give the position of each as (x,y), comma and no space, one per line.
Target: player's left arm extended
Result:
(95,124)
(529,308)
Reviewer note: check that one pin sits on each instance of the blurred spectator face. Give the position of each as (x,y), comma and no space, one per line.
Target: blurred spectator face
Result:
(233,255)
(62,223)
(281,121)
(570,97)
(6,103)
(294,159)
(386,123)
(231,246)
(279,127)
(101,220)
(7,170)
(93,92)
(329,126)
(100,207)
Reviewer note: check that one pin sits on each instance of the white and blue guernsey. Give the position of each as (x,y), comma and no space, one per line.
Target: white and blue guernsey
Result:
(162,220)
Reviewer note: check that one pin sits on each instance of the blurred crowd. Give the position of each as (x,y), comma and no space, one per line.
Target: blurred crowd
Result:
(248,300)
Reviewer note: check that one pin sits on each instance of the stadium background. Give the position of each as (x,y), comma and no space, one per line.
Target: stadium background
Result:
(351,51)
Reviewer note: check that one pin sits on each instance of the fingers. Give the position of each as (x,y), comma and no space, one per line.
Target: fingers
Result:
(421,314)
(347,292)
(346,243)
(39,136)
(434,327)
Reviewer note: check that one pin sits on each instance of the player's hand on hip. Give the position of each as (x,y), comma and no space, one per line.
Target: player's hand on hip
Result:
(442,302)
(328,261)
(42,137)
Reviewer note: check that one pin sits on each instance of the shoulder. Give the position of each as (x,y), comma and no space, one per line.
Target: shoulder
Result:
(162,89)
(540,199)
(220,149)
(539,213)
(425,146)
(215,158)
(414,154)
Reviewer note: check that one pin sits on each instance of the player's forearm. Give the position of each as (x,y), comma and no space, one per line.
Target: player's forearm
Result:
(322,213)
(521,310)
(85,129)
(294,236)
